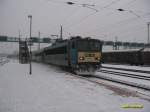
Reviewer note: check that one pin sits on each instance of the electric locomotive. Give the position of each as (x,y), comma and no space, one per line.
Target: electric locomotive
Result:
(81,55)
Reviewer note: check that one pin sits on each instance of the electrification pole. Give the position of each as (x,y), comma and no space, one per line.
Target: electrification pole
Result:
(30,56)
(61,37)
(148,40)
(39,41)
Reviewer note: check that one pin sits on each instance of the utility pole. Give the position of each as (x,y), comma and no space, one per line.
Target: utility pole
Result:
(61,32)
(19,46)
(148,40)
(115,47)
(116,39)
(39,41)
(30,57)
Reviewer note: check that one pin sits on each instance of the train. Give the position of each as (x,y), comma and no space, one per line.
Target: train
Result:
(80,55)
(131,57)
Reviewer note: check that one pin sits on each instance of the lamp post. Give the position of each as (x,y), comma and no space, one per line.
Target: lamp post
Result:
(30,54)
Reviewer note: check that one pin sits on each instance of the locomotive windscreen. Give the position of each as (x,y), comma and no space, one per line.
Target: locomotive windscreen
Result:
(88,45)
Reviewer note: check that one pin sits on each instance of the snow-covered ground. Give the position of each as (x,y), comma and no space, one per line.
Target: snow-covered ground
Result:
(50,89)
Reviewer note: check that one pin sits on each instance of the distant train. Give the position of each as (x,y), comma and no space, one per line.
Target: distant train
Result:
(81,55)
(132,57)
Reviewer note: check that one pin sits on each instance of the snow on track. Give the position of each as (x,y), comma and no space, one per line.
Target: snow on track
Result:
(145,68)
(49,89)
(122,71)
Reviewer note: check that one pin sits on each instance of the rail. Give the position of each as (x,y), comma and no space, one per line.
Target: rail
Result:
(125,69)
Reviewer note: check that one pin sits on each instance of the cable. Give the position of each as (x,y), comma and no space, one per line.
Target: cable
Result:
(56,1)
(113,2)
(70,15)
(127,21)
(82,19)
(130,3)
(87,6)
(86,17)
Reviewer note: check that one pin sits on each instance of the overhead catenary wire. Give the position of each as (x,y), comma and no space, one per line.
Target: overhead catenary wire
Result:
(113,2)
(87,6)
(97,11)
(83,19)
(130,3)
(122,22)
(71,15)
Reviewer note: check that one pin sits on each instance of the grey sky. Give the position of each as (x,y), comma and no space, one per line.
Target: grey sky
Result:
(105,24)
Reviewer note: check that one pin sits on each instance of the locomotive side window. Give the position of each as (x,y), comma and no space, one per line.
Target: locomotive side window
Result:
(58,50)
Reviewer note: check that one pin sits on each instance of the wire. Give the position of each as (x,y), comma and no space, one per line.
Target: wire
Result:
(122,22)
(102,8)
(82,19)
(91,8)
(130,3)
(57,1)
(70,15)
(112,3)
(132,12)
(87,6)
(86,17)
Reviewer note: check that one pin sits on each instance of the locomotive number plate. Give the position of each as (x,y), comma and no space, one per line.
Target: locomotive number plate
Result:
(89,54)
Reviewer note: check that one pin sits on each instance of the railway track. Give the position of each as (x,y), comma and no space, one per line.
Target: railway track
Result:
(125,69)
(131,75)
(117,89)
(132,84)
(126,74)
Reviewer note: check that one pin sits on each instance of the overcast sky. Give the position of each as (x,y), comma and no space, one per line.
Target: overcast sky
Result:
(105,24)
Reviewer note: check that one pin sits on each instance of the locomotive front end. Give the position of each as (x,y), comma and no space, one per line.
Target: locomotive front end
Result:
(92,57)
(88,56)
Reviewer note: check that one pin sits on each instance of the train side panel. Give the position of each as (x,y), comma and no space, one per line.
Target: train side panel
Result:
(57,59)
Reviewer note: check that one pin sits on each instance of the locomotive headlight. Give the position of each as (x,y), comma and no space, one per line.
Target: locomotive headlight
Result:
(97,58)
(81,58)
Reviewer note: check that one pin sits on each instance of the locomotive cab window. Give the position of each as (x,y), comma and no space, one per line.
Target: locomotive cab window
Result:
(89,45)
